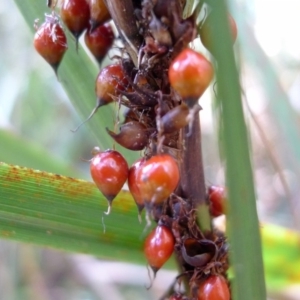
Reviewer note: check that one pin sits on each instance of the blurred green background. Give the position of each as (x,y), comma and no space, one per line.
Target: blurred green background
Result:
(36,118)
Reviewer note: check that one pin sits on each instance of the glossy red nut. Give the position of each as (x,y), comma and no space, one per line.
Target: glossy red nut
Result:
(132,184)
(110,81)
(99,41)
(50,41)
(207,30)
(75,15)
(99,13)
(190,74)
(157,178)
(214,287)
(177,296)
(158,247)
(109,171)
(217,200)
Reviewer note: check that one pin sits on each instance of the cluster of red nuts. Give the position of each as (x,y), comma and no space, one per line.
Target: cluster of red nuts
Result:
(160,89)
(151,181)
(79,16)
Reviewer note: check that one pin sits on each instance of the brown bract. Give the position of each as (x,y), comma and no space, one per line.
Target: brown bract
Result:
(133,136)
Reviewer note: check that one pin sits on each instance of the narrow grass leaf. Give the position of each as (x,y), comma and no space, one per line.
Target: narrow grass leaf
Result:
(66,213)
(243,226)
(19,151)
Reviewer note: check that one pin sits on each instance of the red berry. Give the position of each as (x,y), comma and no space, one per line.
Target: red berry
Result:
(214,288)
(207,30)
(177,296)
(99,13)
(190,74)
(158,247)
(109,171)
(132,184)
(50,41)
(109,82)
(217,200)
(157,178)
(75,15)
(99,41)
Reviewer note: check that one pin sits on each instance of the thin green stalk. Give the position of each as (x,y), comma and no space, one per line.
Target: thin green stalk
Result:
(242,220)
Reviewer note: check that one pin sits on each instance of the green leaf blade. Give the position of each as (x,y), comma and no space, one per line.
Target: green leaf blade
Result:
(243,226)
(66,213)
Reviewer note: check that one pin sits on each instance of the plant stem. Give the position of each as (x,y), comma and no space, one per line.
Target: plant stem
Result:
(192,173)
(122,13)
(242,220)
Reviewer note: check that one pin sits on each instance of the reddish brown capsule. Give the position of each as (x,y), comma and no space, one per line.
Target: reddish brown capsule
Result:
(217,200)
(110,81)
(109,171)
(157,178)
(190,74)
(99,13)
(50,41)
(75,15)
(158,247)
(133,136)
(132,184)
(207,30)
(214,287)
(99,41)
